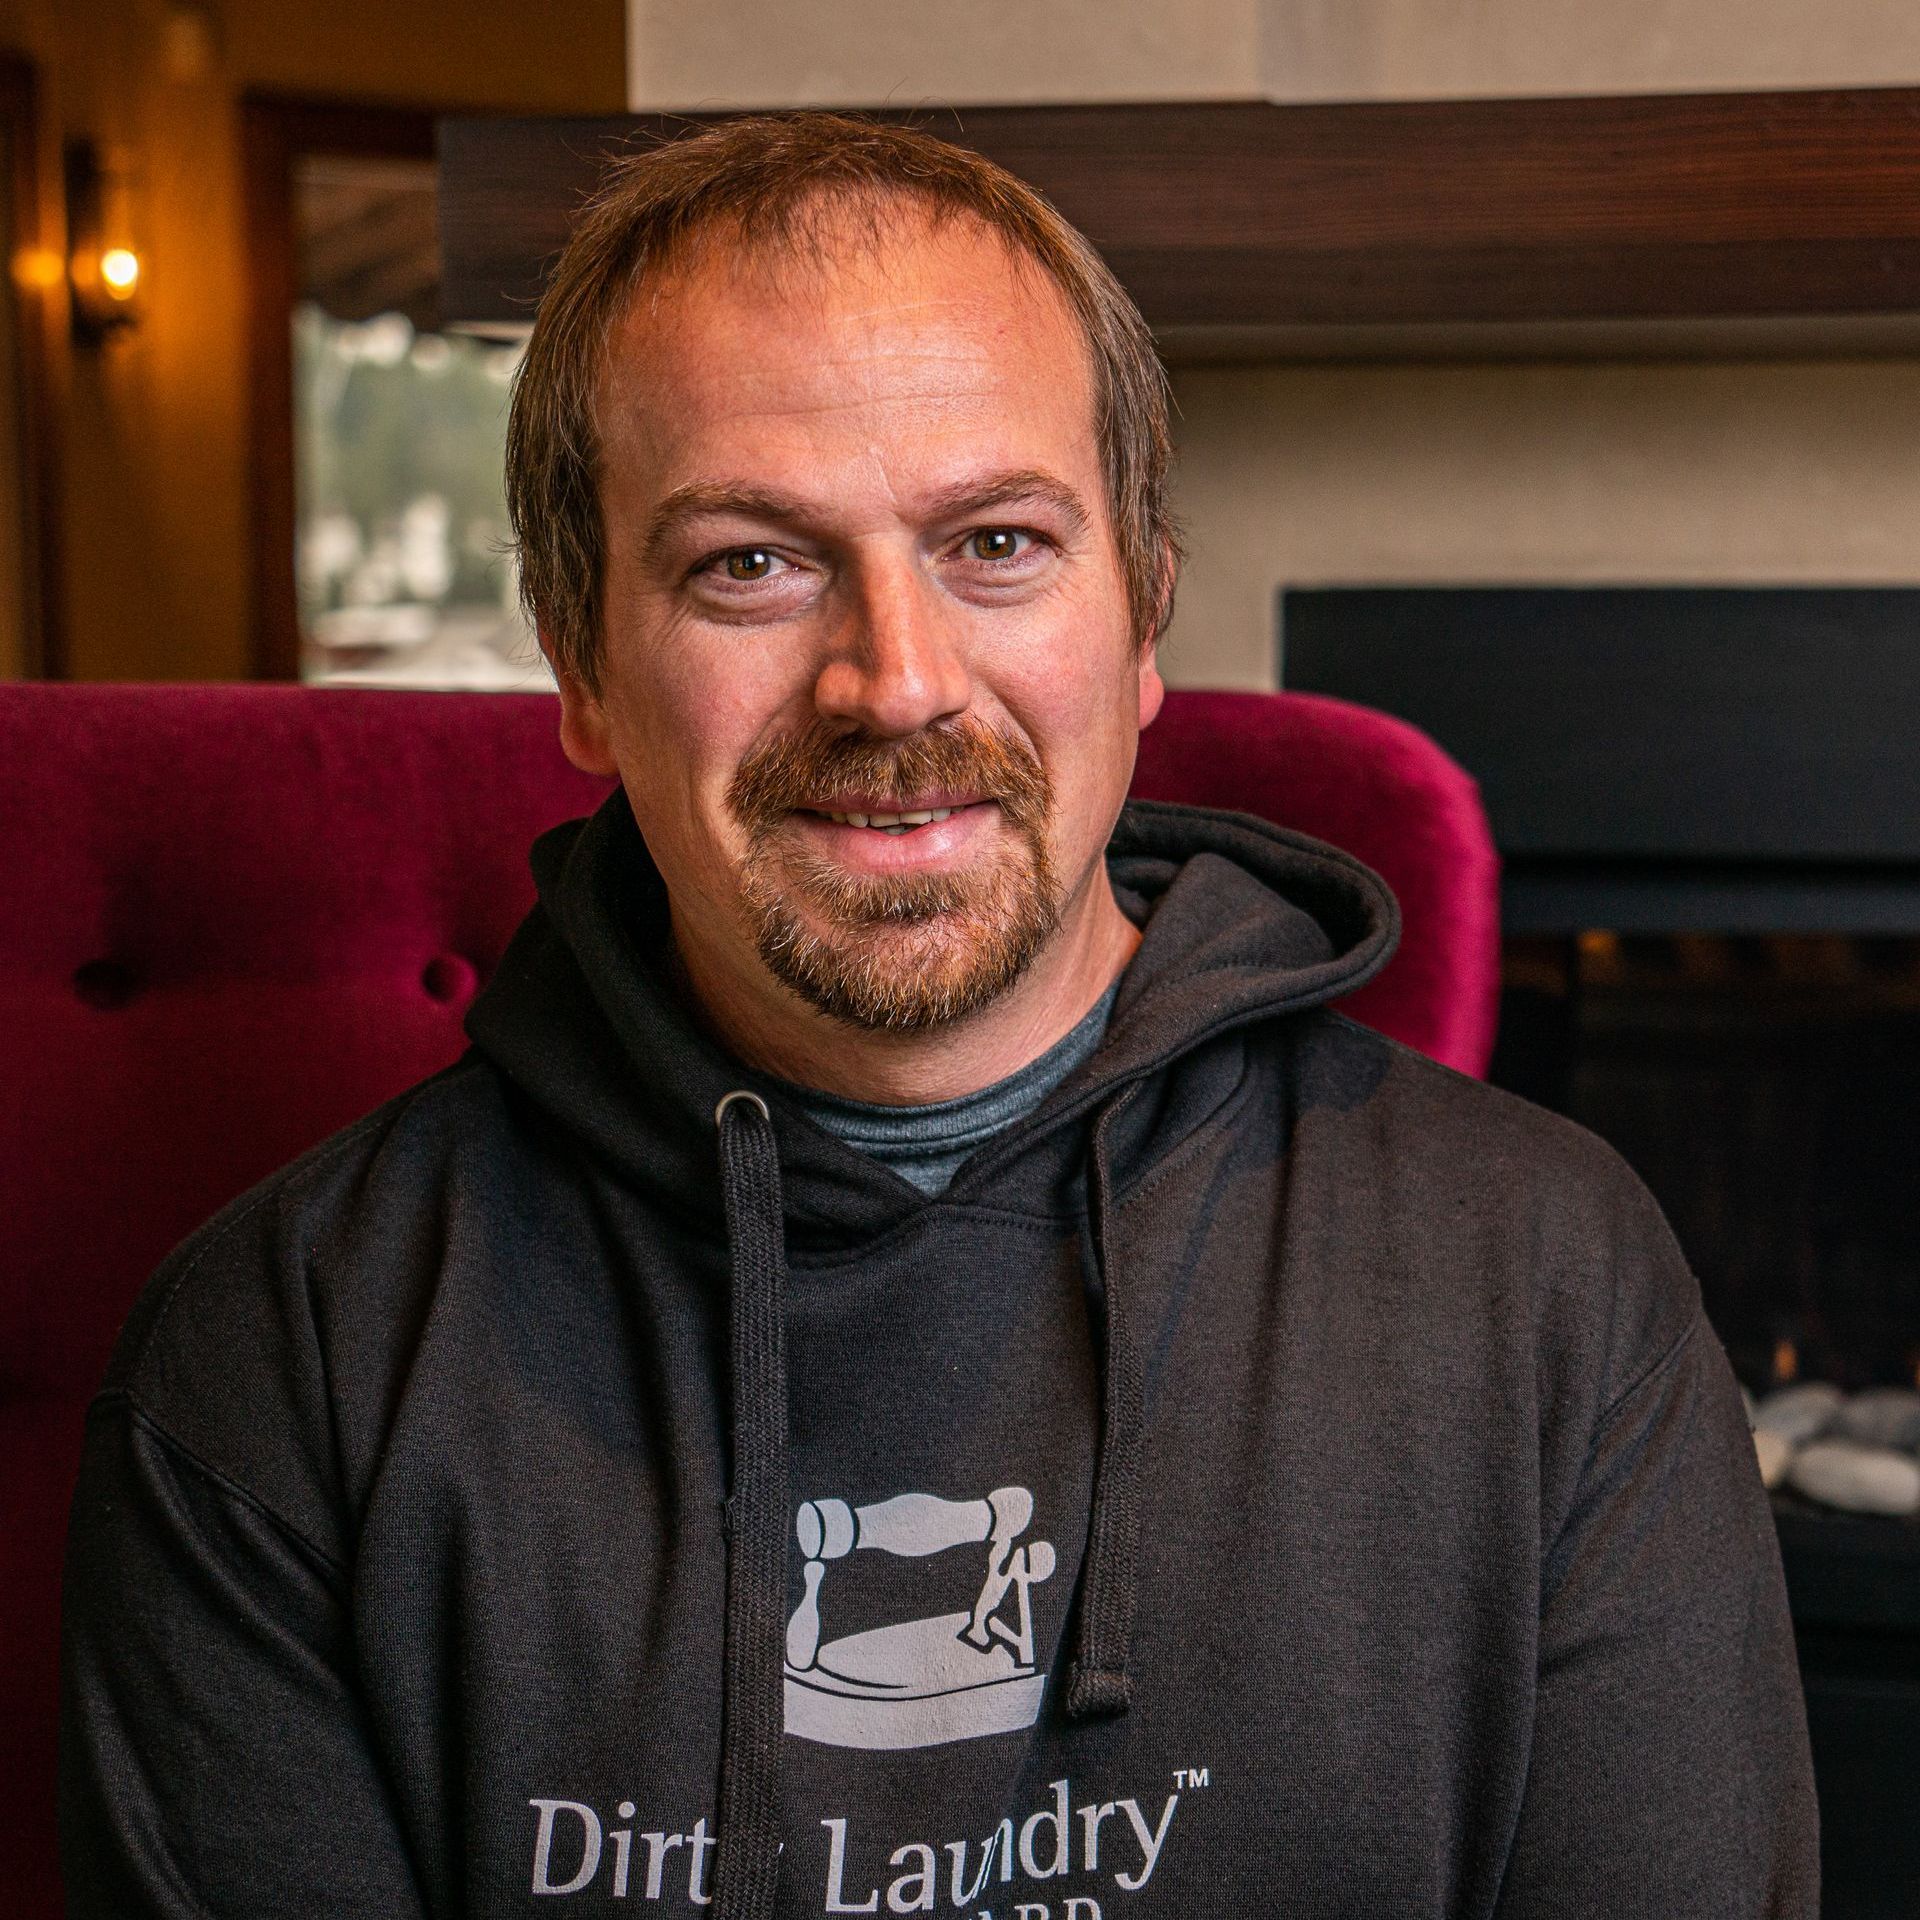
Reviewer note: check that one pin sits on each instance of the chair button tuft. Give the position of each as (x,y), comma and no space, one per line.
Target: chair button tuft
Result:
(447,977)
(106,984)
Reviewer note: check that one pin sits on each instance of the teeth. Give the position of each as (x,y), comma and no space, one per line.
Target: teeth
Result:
(893,822)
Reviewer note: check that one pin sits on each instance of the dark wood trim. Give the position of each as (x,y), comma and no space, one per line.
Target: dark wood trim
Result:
(276,130)
(40,333)
(1240,217)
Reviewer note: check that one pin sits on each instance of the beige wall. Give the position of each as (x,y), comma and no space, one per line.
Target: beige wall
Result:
(152,507)
(1448,49)
(690,53)
(821,53)
(1322,476)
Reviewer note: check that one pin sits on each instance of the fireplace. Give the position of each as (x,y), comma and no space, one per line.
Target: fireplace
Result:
(1764,1086)
(1708,806)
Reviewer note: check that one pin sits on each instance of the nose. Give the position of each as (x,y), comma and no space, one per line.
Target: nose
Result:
(896,666)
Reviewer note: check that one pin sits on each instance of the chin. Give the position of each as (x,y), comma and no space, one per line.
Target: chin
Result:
(912,977)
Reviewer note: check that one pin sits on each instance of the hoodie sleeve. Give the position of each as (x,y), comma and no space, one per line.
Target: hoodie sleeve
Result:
(214,1756)
(1669,1771)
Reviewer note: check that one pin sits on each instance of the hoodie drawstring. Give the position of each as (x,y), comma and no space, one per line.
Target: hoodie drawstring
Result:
(752,1716)
(747,1864)
(1097,1678)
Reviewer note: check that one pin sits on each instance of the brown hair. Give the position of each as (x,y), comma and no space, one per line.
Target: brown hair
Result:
(771,173)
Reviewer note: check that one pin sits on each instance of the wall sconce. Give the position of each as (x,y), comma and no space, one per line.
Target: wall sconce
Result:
(106,267)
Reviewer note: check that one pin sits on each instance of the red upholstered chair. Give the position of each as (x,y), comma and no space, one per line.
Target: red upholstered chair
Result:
(236,917)
(1385,793)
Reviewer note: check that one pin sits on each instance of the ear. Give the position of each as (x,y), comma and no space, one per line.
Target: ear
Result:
(585,737)
(1153,689)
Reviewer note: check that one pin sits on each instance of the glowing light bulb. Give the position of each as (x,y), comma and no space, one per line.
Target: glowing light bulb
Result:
(120,270)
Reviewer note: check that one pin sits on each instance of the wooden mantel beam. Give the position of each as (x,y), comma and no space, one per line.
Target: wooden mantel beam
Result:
(1251,226)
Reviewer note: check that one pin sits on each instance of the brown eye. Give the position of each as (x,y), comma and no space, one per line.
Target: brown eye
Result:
(749,563)
(994,543)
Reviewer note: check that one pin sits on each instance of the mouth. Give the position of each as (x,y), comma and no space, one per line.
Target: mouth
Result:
(928,833)
(849,810)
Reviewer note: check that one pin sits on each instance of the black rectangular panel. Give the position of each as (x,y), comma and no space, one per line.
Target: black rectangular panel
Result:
(1631,723)
(1670,896)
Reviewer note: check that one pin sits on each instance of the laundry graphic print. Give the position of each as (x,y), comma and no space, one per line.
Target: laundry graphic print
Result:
(919,1683)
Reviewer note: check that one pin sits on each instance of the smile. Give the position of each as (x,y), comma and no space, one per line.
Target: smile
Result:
(855,833)
(911,813)
(893,822)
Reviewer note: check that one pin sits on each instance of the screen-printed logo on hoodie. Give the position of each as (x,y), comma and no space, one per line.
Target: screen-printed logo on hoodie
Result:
(918,1683)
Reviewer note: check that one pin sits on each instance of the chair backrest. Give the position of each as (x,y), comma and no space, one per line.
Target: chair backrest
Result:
(1384,792)
(237,917)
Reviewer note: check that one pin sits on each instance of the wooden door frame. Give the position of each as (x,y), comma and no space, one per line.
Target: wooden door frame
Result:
(276,132)
(40,316)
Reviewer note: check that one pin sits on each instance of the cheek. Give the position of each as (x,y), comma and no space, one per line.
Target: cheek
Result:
(1082,714)
(684,721)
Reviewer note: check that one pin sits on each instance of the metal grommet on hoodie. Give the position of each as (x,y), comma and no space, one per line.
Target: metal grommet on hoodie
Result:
(739,1093)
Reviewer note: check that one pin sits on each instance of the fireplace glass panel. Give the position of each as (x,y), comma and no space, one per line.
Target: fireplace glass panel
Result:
(1765,1088)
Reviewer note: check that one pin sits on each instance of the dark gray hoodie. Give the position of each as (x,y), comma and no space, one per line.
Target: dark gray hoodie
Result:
(1279,1476)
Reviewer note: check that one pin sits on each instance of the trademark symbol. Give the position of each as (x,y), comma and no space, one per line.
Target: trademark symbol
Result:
(1185,1777)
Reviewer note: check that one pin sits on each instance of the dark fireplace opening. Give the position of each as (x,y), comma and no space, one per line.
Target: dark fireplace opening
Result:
(1767,1089)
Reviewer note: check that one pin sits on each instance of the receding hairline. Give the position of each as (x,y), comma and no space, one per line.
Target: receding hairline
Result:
(818,219)
(821,228)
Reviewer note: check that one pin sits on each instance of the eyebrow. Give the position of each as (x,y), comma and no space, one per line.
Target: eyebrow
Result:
(700,499)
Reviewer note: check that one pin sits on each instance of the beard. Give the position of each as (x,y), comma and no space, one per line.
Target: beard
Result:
(896,952)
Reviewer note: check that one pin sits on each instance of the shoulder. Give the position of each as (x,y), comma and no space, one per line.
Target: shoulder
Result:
(1443,1124)
(1506,1208)
(311,1286)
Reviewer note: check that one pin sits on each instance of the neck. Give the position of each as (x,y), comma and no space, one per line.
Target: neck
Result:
(771,1029)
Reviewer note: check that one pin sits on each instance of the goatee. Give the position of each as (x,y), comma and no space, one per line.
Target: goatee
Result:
(896,952)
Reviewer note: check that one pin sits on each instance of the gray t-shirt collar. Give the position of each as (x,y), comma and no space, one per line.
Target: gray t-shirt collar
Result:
(926,1145)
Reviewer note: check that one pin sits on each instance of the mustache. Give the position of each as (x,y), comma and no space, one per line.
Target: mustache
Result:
(964,755)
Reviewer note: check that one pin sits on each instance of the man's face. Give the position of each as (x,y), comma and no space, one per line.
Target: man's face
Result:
(859,566)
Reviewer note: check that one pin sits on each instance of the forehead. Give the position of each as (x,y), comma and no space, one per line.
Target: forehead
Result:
(894,339)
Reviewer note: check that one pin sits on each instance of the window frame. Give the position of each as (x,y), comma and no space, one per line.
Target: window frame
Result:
(278,131)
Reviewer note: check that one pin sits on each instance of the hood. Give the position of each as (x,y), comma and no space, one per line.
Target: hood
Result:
(1242,922)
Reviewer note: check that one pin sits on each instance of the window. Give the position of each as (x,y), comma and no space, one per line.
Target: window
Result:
(402,571)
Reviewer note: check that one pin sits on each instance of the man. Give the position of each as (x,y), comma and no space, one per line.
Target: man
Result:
(915,1368)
